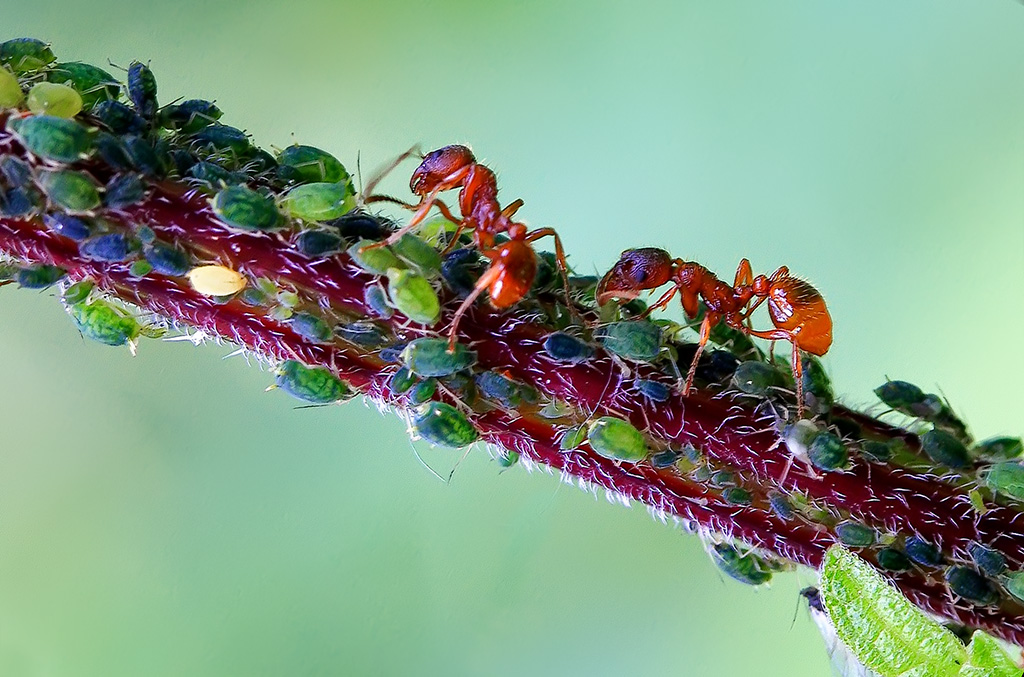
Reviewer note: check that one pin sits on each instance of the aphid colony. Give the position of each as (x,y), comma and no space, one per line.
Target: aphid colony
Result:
(83,153)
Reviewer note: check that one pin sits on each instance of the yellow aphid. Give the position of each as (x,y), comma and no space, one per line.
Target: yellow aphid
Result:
(216,280)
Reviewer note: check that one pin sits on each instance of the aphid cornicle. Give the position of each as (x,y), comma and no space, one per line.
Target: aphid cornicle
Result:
(796,308)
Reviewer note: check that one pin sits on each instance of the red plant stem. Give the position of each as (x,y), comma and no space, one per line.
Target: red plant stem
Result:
(730,433)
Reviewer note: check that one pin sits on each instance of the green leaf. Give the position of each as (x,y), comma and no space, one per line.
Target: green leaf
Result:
(985,658)
(880,626)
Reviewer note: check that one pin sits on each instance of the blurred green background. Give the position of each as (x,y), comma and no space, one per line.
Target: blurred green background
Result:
(162,515)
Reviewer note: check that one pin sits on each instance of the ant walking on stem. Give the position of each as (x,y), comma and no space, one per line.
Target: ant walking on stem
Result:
(797,309)
(513,263)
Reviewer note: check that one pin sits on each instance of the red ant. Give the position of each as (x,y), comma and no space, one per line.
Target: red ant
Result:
(797,309)
(513,263)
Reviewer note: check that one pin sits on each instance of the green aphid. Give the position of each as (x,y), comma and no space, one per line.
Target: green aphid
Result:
(418,254)
(40,277)
(318,201)
(876,451)
(252,296)
(311,384)
(986,658)
(50,98)
(93,83)
(827,452)
(749,568)
(105,323)
(617,440)
(52,138)
(429,357)
(140,269)
(855,535)
(1014,584)
(636,340)
(508,459)
(901,396)
(401,381)
(945,449)
(375,260)
(245,209)
(758,379)
(78,292)
(412,295)
(423,391)
(1006,478)
(444,425)
(998,449)
(74,192)
(818,394)
(573,438)
(311,327)
(25,55)
(11,95)
(306,164)
(723,478)
(736,496)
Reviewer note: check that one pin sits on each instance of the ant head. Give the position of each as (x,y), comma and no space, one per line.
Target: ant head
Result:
(636,270)
(437,165)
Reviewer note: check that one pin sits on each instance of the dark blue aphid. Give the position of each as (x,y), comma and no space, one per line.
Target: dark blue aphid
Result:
(112,247)
(39,277)
(971,585)
(944,448)
(892,559)
(212,174)
(654,391)
(714,366)
(563,347)
(310,327)
(144,156)
(365,334)
(124,190)
(113,152)
(460,270)
(166,259)
(357,225)
(119,118)
(665,459)
(781,506)
(142,89)
(318,243)
(923,552)
(223,140)
(190,116)
(499,387)
(16,203)
(393,354)
(376,300)
(15,171)
(69,226)
(988,560)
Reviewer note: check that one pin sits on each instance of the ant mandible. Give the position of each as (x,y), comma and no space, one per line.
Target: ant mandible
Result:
(513,263)
(797,309)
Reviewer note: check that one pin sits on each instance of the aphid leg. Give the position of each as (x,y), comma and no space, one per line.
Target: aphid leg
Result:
(482,284)
(415,151)
(563,265)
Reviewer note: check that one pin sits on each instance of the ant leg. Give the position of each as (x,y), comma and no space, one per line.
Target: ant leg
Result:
(744,275)
(483,283)
(563,265)
(421,213)
(510,210)
(377,178)
(798,376)
(661,303)
(705,332)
